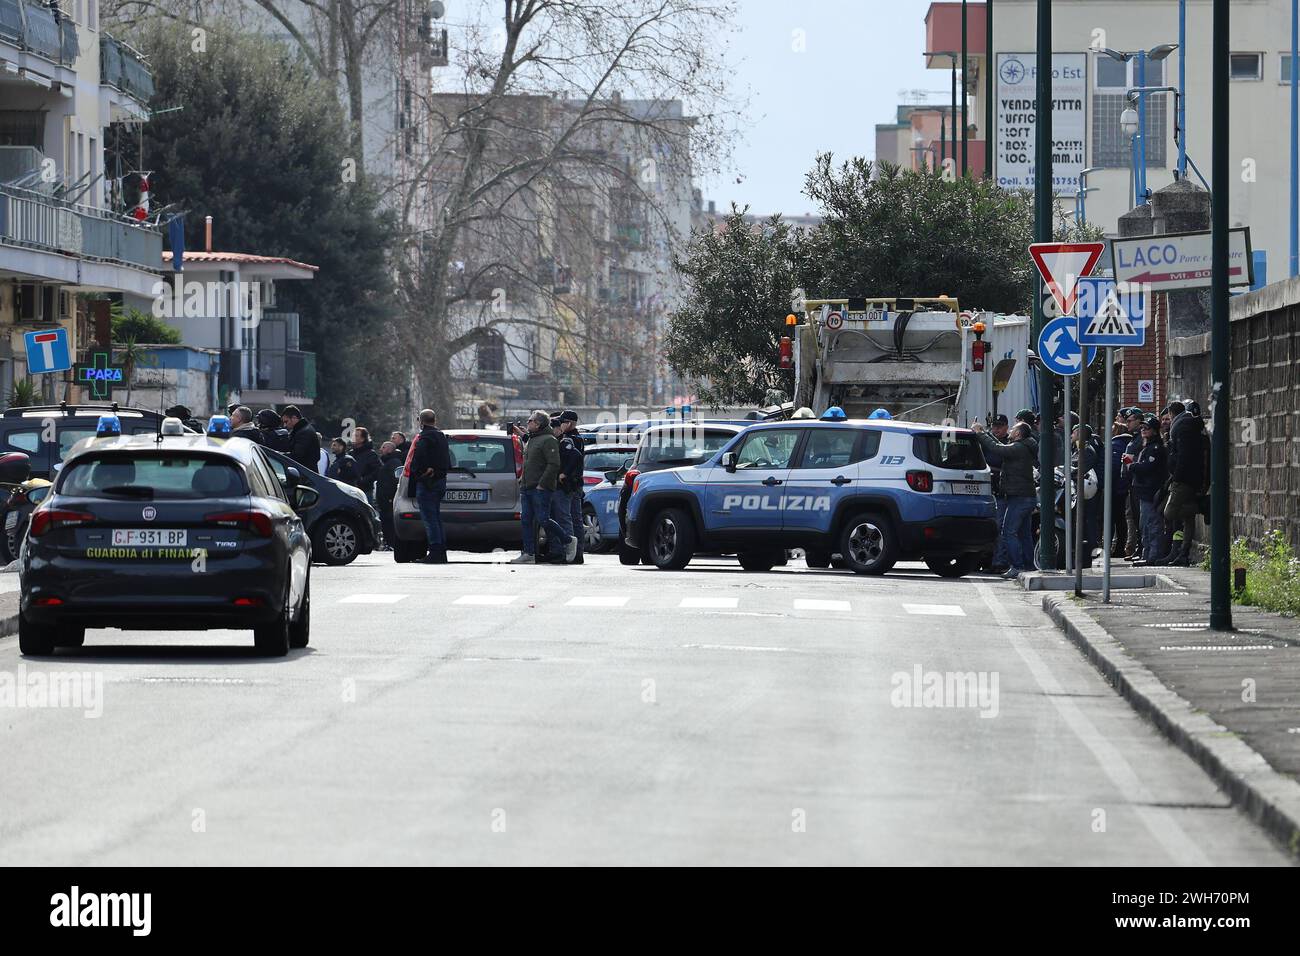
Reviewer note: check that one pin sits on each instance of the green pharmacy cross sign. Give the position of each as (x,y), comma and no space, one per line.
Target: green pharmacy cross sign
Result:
(99,375)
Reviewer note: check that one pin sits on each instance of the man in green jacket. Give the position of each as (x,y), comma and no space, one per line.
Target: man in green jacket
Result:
(541,471)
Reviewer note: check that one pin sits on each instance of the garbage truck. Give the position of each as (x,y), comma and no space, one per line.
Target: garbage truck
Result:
(920,359)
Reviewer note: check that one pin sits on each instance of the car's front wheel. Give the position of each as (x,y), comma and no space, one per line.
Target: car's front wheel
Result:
(671,540)
(336,540)
(867,544)
(591,543)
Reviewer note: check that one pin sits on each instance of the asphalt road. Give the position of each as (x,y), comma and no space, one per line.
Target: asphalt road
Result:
(486,713)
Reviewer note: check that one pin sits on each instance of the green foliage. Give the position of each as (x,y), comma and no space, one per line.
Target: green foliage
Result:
(1272,574)
(23,394)
(136,326)
(738,286)
(261,147)
(888,231)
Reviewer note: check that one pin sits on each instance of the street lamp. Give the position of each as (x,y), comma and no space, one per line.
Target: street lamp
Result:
(1128,124)
(1158,52)
(1081,195)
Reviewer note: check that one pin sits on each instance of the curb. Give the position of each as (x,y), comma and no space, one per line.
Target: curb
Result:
(1271,799)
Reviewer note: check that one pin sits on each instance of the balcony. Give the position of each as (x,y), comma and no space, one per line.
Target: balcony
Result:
(36,221)
(34,28)
(289,373)
(122,68)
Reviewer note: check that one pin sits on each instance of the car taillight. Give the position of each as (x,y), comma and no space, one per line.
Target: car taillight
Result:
(631,474)
(259,522)
(920,481)
(590,480)
(47,519)
(519,458)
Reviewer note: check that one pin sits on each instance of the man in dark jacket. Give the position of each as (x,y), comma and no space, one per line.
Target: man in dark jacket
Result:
(1017,486)
(391,461)
(430,462)
(1188,479)
(274,435)
(304,442)
(241,425)
(1134,418)
(540,478)
(1119,442)
(1091,506)
(342,466)
(1149,470)
(569,495)
(187,419)
(998,428)
(368,463)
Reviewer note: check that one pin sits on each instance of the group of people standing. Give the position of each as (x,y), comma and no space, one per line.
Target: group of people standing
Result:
(1161,477)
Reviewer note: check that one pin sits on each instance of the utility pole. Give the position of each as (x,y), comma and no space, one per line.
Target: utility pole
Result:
(964,123)
(1220,367)
(1043,233)
(990,68)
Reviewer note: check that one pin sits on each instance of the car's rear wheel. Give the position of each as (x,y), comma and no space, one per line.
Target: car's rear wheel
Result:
(954,566)
(867,544)
(591,543)
(405,552)
(272,639)
(817,558)
(337,540)
(671,542)
(627,554)
(300,630)
(34,639)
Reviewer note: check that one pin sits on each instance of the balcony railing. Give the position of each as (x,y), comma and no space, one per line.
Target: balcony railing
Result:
(276,370)
(122,68)
(33,27)
(38,221)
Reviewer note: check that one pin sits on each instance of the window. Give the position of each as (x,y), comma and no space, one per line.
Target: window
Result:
(1284,68)
(943,450)
(1112,80)
(1246,66)
(264,479)
(1111,73)
(153,477)
(832,447)
(771,448)
(681,446)
(28,440)
(605,460)
(487,455)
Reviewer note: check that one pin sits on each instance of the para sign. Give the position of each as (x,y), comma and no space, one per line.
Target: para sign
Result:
(1016,111)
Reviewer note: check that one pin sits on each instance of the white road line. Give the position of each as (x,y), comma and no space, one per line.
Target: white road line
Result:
(807,604)
(491,599)
(742,647)
(707,602)
(372,598)
(947,610)
(596,602)
(1159,823)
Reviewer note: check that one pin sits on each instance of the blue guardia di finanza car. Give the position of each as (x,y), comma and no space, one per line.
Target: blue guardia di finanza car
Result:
(875,492)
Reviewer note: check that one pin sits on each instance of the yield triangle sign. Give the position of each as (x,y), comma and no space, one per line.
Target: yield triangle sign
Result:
(1111,318)
(1061,264)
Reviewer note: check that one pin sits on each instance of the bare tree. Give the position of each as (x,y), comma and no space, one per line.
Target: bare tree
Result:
(561,111)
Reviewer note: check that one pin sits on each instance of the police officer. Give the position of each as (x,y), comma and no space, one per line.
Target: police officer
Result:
(570,493)
(187,419)
(274,435)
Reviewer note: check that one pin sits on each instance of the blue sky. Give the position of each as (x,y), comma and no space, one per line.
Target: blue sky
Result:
(858,55)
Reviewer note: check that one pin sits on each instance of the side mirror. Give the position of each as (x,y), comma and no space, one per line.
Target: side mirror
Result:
(304,497)
(613,476)
(292,477)
(15,468)
(729,460)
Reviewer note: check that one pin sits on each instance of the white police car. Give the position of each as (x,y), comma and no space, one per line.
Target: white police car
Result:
(875,492)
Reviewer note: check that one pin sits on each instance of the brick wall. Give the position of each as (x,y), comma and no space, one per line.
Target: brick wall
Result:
(1150,362)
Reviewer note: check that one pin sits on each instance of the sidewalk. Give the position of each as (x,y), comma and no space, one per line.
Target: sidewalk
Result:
(8,604)
(1155,646)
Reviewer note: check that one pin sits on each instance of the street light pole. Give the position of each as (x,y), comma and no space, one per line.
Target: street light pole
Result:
(990,137)
(1142,129)
(954,108)
(1220,367)
(1182,86)
(1043,197)
(1295,145)
(964,124)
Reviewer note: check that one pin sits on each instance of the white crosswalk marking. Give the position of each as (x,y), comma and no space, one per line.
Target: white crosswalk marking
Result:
(707,602)
(489,599)
(373,598)
(807,604)
(947,610)
(596,601)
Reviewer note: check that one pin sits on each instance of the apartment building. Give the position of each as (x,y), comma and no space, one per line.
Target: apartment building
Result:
(69,93)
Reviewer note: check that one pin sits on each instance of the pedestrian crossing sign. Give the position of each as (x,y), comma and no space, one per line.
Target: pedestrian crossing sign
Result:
(1110,315)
